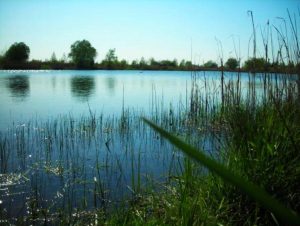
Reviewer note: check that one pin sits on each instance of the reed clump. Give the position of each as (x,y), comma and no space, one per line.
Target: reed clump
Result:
(263,146)
(259,140)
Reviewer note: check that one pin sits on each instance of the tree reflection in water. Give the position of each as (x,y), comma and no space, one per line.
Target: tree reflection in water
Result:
(82,87)
(18,86)
(110,84)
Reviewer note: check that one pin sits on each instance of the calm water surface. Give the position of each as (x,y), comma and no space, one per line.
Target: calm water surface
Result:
(26,95)
(43,94)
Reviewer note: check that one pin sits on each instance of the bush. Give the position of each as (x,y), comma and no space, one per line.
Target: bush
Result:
(17,53)
(231,63)
(256,64)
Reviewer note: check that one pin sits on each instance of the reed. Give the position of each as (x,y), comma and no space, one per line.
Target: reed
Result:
(107,169)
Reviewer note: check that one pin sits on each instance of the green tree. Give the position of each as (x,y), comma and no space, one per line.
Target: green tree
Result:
(182,64)
(83,54)
(134,64)
(17,52)
(143,63)
(1,60)
(232,63)
(111,60)
(188,64)
(123,64)
(175,63)
(255,64)
(111,55)
(63,59)
(153,62)
(53,58)
(168,64)
(298,69)
(210,64)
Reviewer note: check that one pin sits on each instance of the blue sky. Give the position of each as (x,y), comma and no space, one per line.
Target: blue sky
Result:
(162,29)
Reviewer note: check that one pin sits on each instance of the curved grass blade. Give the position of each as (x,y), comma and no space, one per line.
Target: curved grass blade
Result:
(257,193)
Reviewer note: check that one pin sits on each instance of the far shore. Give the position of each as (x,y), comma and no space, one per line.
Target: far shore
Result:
(69,66)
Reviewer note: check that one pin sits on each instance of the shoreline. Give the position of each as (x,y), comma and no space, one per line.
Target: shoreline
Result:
(288,72)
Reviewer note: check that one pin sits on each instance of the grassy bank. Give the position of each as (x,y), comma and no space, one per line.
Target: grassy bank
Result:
(261,144)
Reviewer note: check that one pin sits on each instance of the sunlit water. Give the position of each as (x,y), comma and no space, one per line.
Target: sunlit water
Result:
(43,94)
(54,156)
(27,95)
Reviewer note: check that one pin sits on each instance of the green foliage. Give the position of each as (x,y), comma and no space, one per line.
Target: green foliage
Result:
(111,60)
(123,64)
(231,63)
(111,56)
(210,64)
(83,54)
(184,65)
(1,59)
(63,59)
(255,64)
(188,63)
(298,68)
(143,63)
(264,146)
(250,189)
(163,64)
(18,53)
(53,58)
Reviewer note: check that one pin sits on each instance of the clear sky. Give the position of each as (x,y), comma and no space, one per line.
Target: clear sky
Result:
(162,29)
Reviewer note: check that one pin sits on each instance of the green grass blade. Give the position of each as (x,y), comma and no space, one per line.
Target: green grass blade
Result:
(257,193)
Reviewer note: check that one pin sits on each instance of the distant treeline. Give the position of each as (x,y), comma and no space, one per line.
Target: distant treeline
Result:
(82,56)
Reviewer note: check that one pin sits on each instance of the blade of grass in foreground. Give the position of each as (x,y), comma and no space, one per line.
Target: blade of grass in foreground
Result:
(257,193)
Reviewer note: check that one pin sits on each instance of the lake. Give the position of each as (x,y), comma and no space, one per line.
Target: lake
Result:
(74,139)
(43,94)
(30,95)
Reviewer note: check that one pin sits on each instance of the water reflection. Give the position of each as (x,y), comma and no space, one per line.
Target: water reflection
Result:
(82,87)
(18,86)
(53,81)
(111,84)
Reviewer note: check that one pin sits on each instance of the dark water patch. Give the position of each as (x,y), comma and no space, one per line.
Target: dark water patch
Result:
(19,87)
(82,87)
